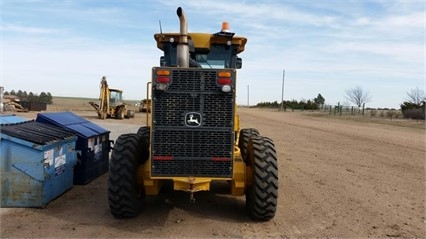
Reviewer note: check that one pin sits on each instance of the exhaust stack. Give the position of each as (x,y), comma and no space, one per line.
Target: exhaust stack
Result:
(182,47)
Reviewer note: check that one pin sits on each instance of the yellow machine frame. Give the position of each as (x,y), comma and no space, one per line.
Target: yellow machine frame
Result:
(169,150)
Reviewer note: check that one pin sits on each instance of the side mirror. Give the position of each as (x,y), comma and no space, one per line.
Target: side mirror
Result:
(239,63)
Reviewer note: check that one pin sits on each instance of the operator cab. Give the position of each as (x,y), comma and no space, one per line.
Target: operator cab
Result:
(212,51)
(115,97)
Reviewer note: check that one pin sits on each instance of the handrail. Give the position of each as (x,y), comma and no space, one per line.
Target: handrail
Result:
(148,110)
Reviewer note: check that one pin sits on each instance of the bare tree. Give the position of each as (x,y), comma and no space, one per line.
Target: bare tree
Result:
(358,96)
(416,96)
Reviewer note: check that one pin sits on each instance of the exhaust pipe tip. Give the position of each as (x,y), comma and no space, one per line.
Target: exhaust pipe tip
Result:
(179,11)
(182,47)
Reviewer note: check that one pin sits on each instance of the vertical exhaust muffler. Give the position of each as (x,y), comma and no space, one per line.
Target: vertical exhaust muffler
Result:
(182,47)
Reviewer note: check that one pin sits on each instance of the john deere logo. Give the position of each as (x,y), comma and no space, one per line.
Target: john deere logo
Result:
(193,119)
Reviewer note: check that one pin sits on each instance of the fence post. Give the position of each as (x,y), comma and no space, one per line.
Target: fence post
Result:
(337,108)
(363,107)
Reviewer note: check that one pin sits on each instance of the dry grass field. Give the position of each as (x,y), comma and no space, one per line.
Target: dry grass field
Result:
(339,177)
(76,104)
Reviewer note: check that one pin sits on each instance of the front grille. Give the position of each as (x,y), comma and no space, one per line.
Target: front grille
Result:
(192,149)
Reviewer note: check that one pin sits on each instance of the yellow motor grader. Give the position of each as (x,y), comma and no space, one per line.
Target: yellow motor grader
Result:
(193,136)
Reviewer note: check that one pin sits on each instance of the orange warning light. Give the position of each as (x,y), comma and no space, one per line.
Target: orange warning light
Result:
(225,27)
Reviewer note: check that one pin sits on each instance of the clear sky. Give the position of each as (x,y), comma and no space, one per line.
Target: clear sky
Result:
(65,46)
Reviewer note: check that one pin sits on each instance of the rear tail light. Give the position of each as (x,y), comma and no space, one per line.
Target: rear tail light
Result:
(163,158)
(220,159)
(224,74)
(224,81)
(163,73)
(163,80)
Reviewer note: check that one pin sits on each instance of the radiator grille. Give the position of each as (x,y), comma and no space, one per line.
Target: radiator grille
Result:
(192,148)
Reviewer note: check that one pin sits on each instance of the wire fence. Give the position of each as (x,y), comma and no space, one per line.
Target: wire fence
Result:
(341,110)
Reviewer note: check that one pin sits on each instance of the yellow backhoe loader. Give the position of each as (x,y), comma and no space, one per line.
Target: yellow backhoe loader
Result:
(111,103)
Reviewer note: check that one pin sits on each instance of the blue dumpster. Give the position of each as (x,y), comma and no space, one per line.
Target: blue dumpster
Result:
(10,119)
(93,144)
(36,163)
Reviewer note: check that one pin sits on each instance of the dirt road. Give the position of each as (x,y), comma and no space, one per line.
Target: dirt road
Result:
(338,178)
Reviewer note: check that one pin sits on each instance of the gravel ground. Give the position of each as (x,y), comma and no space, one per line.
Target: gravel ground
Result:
(338,178)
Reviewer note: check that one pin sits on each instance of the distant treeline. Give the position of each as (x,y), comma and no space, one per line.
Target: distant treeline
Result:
(313,104)
(293,104)
(31,97)
(409,110)
(414,110)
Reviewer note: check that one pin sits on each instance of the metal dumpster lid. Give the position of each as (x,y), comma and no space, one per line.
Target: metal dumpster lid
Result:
(36,132)
(10,119)
(73,122)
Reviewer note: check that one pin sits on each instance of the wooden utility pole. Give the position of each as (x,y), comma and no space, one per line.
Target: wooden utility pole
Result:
(282,92)
(248,95)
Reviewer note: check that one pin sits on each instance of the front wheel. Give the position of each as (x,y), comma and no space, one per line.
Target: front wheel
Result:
(125,195)
(262,194)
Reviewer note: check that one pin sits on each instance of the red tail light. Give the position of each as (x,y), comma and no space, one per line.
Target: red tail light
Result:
(164,158)
(220,159)
(224,81)
(164,80)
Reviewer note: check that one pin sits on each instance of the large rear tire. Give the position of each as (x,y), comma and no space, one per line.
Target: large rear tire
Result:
(144,134)
(130,114)
(120,113)
(245,136)
(125,195)
(262,194)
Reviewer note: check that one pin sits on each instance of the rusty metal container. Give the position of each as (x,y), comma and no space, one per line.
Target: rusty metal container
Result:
(36,164)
